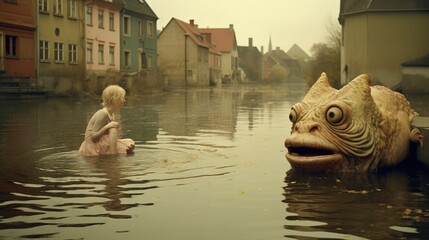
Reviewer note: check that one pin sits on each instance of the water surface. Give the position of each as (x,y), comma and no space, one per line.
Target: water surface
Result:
(208,164)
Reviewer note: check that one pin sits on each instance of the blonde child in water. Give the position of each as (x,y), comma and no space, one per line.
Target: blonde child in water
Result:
(101,135)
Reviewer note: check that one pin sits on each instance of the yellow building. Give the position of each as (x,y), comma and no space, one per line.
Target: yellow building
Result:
(378,36)
(61,56)
(186,57)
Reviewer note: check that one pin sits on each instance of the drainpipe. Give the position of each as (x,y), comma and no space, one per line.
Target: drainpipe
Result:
(186,60)
(36,45)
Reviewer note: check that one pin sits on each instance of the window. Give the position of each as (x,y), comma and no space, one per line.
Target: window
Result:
(89,16)
(58,52)
(72,13)
(100,18)
(89,52)
(10,45)
(127,59)
(149,62)
(43,6)
(111,55)
(44,51)
(100,53)
(149,29)
(58,7)
(139,28)
(127,25)
(143,60)
(111,21)
(72,53)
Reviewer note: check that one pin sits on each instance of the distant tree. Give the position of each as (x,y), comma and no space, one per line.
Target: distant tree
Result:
(326,57)
(278,74)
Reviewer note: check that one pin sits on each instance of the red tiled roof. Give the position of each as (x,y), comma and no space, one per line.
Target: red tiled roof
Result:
(196,35)
(222,38)
(192,32)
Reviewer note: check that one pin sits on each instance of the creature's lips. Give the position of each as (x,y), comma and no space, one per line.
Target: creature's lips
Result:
(312,156)
(308,151)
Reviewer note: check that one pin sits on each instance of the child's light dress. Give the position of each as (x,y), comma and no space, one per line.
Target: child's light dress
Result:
(102,146)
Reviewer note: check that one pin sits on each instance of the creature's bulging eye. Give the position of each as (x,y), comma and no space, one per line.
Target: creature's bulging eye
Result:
(293,116)
(334,115)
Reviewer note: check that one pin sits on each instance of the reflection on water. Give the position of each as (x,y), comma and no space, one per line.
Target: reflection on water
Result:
(387,205)
(208,164)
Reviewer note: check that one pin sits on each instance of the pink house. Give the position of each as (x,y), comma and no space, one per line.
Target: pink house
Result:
(102,47)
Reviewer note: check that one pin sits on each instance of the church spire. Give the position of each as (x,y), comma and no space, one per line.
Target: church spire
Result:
(270,45)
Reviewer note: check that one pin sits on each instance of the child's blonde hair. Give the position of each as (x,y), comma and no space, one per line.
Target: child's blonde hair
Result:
(112,94)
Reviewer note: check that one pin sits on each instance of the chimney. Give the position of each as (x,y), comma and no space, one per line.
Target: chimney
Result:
(231,27)
(191,22)
(250,42)
(277,48)
(262,50)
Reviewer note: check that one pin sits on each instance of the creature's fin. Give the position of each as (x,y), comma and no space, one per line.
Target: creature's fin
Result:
(320,88)
(358,89)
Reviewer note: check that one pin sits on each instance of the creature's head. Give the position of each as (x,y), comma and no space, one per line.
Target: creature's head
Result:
(335,130)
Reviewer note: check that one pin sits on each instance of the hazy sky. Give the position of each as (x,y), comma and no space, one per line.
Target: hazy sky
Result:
(287,21)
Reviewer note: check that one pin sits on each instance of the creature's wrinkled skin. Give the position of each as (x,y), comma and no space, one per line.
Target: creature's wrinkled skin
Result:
(357,128)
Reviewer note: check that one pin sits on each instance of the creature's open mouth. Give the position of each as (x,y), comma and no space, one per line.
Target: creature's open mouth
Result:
(308,152)
(313,155)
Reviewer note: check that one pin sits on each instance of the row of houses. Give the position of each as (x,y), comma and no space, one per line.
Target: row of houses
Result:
(74,45)
(189,55)
(387,39)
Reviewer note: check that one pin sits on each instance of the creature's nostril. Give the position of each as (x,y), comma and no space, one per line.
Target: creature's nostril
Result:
(295,128)
(306,127)
(314,127)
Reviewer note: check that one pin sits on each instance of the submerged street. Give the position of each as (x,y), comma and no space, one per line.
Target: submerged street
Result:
(208,164)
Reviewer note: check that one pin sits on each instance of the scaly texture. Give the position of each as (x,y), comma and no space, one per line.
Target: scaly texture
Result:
(356,128)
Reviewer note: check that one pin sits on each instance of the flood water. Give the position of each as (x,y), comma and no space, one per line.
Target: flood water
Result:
(208,164)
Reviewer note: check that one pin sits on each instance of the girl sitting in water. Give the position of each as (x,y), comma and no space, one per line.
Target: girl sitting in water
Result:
(101,135)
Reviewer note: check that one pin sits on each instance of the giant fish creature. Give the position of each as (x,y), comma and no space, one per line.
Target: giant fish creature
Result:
(357,128)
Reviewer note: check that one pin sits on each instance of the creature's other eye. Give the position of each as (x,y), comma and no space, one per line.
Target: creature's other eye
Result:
(293,116)
(334,115)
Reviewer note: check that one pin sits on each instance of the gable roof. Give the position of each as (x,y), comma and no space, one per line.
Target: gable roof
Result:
(193,33)
(222,38)
(139,6)
(358,6)
(278,56)
(418,62)
(296,52)
(243,50)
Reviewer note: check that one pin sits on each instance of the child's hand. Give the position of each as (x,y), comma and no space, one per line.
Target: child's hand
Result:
(112,124)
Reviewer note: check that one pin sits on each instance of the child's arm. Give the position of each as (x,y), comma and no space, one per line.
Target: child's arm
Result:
(101,125)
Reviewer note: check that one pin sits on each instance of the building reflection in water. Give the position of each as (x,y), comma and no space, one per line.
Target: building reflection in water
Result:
(387,205)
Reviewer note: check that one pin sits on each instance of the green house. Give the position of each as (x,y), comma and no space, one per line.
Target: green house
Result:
(138,39)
